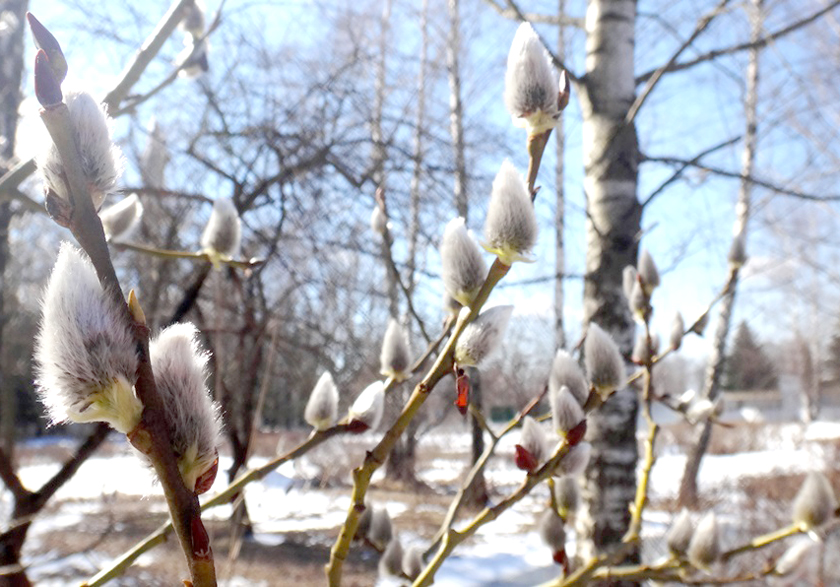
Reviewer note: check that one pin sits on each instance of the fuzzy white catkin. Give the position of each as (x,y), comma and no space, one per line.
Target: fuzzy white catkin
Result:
(553,530)
(101,159)
(481,336)
(119,219)
(322,408)
(381,529)
(704,547)
(85,354)
(369,406)
(576,460)
(193,21)
(155,157)
(679,534)
(412,562)
(510,229)
(395,358)
(462,265)
(531,87)
(565,371)
(193,59)
(567,494)
(794,557)
(648,272)
(390,564)
(533,439)
(222,235)
(566,411)
(378,221)
(192,417)
(677,330)
(603,361)
(815,502)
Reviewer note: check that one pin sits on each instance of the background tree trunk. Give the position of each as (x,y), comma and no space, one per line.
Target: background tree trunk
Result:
(611,154)
(714,369)
(559,202)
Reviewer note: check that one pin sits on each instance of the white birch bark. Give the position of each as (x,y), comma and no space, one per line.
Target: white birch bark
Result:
(610,153)
(559,202)
(456,121)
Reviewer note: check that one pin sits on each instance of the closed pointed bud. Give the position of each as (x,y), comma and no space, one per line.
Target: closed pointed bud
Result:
(510,229)
(533,440)
(118,220)
(576,460)
(85,354)
(566,372)
(566,411)
(192,417)
(194,17)
(381,528)
(603,361)
(567,495)
(737,252)
(390,563)
(815,504)
(412,562)
(395,358)
(703,409)
(700,326)
(46,42)
(531,86)
(462,265)
(368,408)
(322,408)
(639,303)
(795,557)
(378,221)
(101,159)
(677,330)
(223,233)
(679,534)
(648,272)
(553,531)
(629,277)
(481,336)
(704,546)
(47,87)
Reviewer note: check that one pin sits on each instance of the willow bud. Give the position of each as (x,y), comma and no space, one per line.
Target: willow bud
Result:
(223,233)
(677,330)
(567,495)
(118,220)
(603,361)
(412,562)
(322,408)
(481,336)
(531,86)
(648,273)
(566,411)
(704,547)
(794,558)
(85,354)
(679,534)
(366,412)
(101,159)
(381,528)
(565,371)
(378,221)
(629,277)
(462,266)
(532,441)
(193,418)
(510,229)
(390,563)
(815,503)
(395,358)
(553,531)
(576,460)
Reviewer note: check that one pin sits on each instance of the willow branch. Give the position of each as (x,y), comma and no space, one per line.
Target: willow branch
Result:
(376,457)
(199,257)
(10,478)
(152,432)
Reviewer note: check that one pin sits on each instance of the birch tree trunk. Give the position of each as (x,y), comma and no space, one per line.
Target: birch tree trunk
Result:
(714,369)
(11,71)
(611,157)
(456,119)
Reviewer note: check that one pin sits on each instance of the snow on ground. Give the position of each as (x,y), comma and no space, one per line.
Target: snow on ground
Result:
(503,553)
